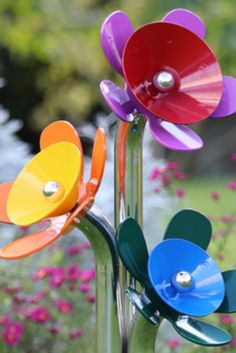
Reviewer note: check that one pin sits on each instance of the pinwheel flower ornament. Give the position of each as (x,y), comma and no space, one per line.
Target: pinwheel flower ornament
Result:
(180,280)
(51,187)
(170,75)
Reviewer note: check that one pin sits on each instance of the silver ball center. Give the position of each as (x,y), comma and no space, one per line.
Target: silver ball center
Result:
(164,81)
(182,280)
(50,188)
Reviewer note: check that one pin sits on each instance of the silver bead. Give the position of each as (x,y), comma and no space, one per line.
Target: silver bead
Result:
(50,188)
(182,281)
(164,81)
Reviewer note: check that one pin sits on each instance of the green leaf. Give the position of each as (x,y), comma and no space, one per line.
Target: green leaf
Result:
(190,225)
(229,303)
(132,249)
(200,332)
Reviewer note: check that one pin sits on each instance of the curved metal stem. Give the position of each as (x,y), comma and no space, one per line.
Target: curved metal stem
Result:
(100,233)
(142,335)
(128,196)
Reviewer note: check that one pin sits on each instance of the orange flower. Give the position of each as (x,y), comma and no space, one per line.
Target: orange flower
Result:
(51,187)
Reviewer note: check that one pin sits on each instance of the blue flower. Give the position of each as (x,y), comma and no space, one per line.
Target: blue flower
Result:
(180,280)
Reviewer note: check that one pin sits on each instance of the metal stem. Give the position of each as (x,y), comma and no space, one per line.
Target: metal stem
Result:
(100,233)
(128,196)
(142,335)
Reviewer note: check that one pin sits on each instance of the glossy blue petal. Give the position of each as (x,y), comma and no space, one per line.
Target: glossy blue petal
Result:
(203,294)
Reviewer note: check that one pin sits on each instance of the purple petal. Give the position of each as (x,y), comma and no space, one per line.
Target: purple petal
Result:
(118,100)
(227,105)
(173,136)
(186,19)
(115,31)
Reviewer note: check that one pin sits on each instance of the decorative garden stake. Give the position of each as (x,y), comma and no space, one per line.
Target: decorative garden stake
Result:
(168,86)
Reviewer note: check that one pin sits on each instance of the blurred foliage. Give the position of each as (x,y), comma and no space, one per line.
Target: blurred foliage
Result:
(50,52)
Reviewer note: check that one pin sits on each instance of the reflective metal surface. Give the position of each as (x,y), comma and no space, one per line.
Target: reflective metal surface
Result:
(100,233)
(128,196)
(164,81)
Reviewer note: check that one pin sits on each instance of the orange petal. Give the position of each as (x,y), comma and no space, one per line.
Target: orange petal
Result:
(79,211)
(32,243)
(28,202)
(60,131)
(98,162)
(4,191)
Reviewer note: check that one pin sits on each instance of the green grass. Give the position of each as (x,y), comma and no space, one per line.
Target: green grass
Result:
(198,195)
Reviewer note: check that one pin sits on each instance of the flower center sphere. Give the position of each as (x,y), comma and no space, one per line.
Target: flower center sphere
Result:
(164,81)
(182,281)
(53,190)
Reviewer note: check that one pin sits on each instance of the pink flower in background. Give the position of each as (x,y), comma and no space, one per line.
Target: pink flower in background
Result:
(84,287)
(179,175)
(233,156)
(232,185)
(215,195)
(40,315)
(35,299)
(172,166)
(54,329)
(87,276)
(42,273)
(64,306)
(233,342)
(173,343)
(12,333)
(74,273)
(180,193)
(4,319)
(91,298)
(226,319)
(86,245)
(155,173)
(11,290)
(58,277)
(75,250)
(75,333)
(226,218)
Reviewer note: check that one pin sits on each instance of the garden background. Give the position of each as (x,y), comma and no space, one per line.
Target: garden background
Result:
(51,64)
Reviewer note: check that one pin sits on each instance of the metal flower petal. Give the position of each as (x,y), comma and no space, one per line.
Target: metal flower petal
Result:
(190,225)
(118,100)
(115,32)
(186,277)
(227,105)
(175,86)
(190,282)
(43,189)
(187,19)
(4,192)
(162,81)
